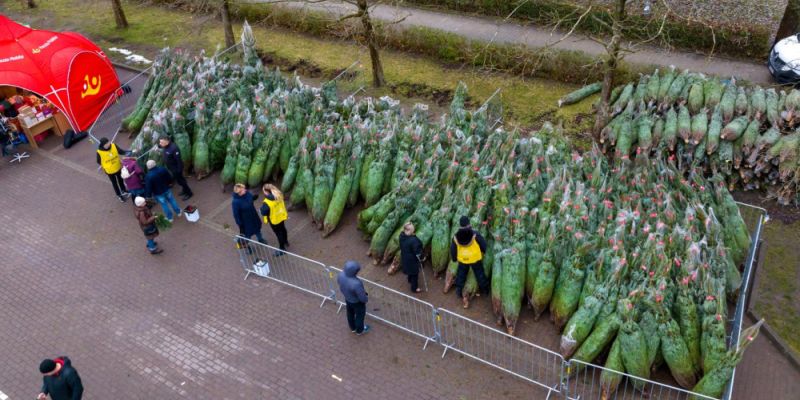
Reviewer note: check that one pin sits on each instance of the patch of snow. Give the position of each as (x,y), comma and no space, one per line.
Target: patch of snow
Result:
(135,58)
(130,56)
(125,52)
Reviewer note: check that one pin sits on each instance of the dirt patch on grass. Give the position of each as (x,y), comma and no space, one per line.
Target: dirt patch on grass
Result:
(785,214)
(441,97)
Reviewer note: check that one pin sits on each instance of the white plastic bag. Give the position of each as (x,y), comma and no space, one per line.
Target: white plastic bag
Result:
(261,268)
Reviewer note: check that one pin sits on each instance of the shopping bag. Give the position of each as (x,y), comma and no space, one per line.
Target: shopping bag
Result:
(261,268)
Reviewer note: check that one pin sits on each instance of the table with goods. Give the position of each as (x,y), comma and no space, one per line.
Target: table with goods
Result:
(634,257)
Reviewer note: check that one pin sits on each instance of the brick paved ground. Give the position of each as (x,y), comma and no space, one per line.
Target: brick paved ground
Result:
(76,280)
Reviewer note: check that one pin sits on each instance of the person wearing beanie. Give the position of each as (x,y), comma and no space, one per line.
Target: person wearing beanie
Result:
(147,223)
(156,184)
(108,158)
(174,163)
(467,249)
(60,380)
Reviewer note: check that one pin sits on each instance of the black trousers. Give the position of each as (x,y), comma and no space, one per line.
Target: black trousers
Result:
(117,182)
(414,281)
(181,180)
(280,232)
(461,277)
(355,315)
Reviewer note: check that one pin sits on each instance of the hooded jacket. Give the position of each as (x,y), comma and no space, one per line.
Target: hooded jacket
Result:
(410,253)
(136,180)
(351,287)
(65,385)
(245,214)
(463,237)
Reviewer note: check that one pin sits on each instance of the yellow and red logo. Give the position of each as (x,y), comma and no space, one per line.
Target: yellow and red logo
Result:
(91,87)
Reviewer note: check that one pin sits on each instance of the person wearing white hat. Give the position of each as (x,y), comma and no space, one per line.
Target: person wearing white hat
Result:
(147,222)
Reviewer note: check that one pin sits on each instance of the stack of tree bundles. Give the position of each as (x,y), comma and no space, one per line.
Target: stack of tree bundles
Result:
(637,259)
(746,134)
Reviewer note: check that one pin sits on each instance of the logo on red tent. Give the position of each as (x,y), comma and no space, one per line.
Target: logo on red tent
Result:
(91,88)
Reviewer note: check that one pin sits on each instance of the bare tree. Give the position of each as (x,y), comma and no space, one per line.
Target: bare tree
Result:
(615,52)
(610,67)
(119,14)
(369,33)
(370,40)
(226,23)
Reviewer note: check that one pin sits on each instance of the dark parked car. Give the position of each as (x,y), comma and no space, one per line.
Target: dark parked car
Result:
(784,60)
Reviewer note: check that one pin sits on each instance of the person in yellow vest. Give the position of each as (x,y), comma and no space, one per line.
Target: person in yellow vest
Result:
(274,212)
(108,157)
(468,248)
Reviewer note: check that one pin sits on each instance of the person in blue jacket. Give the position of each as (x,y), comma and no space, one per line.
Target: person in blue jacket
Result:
(245,214)
(156,184)
(355,297)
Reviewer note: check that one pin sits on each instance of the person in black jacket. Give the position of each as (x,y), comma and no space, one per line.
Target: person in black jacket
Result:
(245,214)
(60,381)
(468,248)
(411,255)
(172,159)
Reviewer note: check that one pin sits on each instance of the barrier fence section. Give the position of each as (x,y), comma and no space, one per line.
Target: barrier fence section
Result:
(290,269)
(572,379)
(498,349)
(755,218)
(588,381)
(397,309)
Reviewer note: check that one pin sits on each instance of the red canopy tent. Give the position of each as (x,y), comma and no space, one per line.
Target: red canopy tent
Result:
(65,68)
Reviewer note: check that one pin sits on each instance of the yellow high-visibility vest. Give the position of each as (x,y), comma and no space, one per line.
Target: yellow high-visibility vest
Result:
(109,159)
(469,254)
(277,212)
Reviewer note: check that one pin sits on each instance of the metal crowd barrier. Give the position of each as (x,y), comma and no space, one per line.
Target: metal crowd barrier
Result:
(588,381)
(571,379)
(498,349)
(398,310)
(290,269)
(755,218)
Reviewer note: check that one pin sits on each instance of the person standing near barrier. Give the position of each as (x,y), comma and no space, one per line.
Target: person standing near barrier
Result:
(60,380)
(467,249)
(274,212)
(411,255)
(245,214)
(156,184)
(174,163)
(108,158)
(147,222)
(355,297)
(133,175)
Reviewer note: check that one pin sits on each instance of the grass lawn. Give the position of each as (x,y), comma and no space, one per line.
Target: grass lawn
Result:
(777,294)
(526,102)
